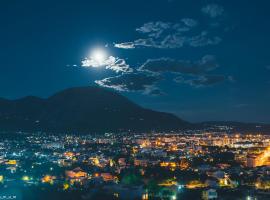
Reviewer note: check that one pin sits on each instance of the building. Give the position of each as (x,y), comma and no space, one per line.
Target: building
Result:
(76,173)
(107,177)
(251,161)
(209,194)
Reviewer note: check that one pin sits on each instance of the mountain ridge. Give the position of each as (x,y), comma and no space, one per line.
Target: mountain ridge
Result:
(83,109)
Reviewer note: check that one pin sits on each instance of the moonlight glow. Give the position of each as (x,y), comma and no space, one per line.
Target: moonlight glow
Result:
(98,56)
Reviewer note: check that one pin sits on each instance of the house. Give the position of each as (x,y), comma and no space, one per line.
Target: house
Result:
(209,194)
(76,173)
(107,176)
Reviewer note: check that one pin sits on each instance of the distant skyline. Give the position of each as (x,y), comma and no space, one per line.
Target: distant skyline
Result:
(201,60)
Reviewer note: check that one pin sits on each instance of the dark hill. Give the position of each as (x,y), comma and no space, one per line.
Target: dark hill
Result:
(84,109)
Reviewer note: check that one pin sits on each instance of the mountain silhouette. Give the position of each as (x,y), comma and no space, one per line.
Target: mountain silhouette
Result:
(83,109)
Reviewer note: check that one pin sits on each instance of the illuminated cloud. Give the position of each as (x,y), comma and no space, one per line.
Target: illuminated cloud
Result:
(112,63)
(130,82)
(125,45)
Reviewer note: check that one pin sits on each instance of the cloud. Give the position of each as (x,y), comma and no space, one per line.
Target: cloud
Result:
(167,35)
(125,45)
(205,64)
(203,40)
(190,22)
(112,63)
(159,28)
(213,10)
(202,81)
(130,82)
(73,65)
(207,80)
(231,79)
(179,79)
(268,67)
(155,92)
(146,77)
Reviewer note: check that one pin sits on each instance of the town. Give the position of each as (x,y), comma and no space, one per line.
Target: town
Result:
(196,164)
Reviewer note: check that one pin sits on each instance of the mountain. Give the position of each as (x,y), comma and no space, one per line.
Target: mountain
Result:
(83,109)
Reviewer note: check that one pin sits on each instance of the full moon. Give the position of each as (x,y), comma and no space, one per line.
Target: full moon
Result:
(99,56)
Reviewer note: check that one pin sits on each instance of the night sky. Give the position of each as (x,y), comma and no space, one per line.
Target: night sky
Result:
(202,60)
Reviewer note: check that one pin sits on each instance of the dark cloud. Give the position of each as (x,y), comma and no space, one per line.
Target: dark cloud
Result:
(154,91)
(190,22)
(205,64)
(130,82)
(213,10)
(203,81)
(203,40)
(179,79)
(231,79)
